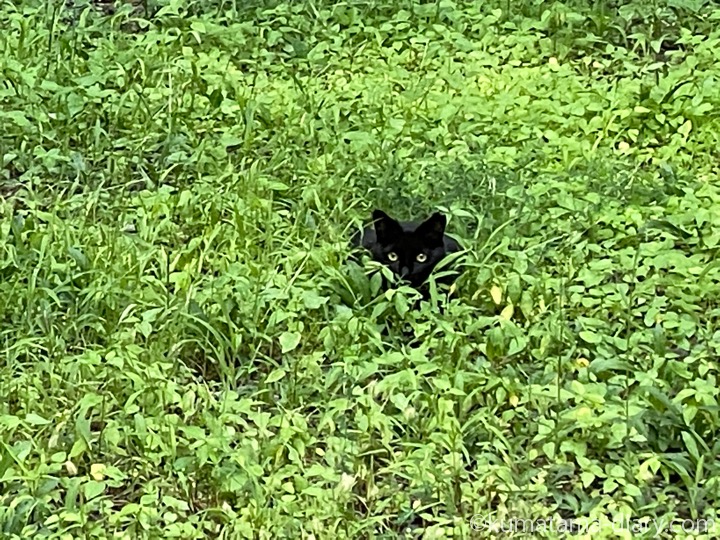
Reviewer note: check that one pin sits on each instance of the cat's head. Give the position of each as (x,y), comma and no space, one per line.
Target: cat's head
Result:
(411,253)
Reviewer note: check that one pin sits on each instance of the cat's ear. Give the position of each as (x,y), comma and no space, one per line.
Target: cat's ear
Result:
(386,228)
(433,228)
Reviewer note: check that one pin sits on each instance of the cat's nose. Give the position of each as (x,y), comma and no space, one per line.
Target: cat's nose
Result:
(404,271)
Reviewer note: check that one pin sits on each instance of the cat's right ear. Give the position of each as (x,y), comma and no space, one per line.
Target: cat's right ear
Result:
(386,228)
(433,228)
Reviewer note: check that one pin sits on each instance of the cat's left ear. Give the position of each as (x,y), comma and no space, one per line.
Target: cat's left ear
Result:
(386,228)
(433,228)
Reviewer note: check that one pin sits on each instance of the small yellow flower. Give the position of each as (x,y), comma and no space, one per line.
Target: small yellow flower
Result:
(97,471)
(496,294)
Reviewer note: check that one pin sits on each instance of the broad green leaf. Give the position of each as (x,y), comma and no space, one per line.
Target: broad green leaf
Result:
(93,488)
(275,375)
(590,337)
(289,341)
(36,420)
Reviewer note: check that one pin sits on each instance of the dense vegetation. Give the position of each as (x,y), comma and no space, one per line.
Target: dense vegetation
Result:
(187,353)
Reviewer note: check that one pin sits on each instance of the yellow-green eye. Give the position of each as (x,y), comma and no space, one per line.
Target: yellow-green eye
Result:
(392,256)
(421,258)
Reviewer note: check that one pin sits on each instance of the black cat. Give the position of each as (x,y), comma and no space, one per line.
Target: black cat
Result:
(410,249)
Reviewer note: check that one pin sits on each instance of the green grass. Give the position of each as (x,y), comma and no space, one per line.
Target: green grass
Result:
(186,352)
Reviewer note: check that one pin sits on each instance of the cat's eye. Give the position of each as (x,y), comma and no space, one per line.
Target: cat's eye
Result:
(421,258)
(392,256)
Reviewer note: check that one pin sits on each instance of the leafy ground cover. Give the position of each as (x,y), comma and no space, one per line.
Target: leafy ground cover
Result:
(187,353)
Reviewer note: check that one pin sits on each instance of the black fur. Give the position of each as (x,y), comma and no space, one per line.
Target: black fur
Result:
(410,249)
